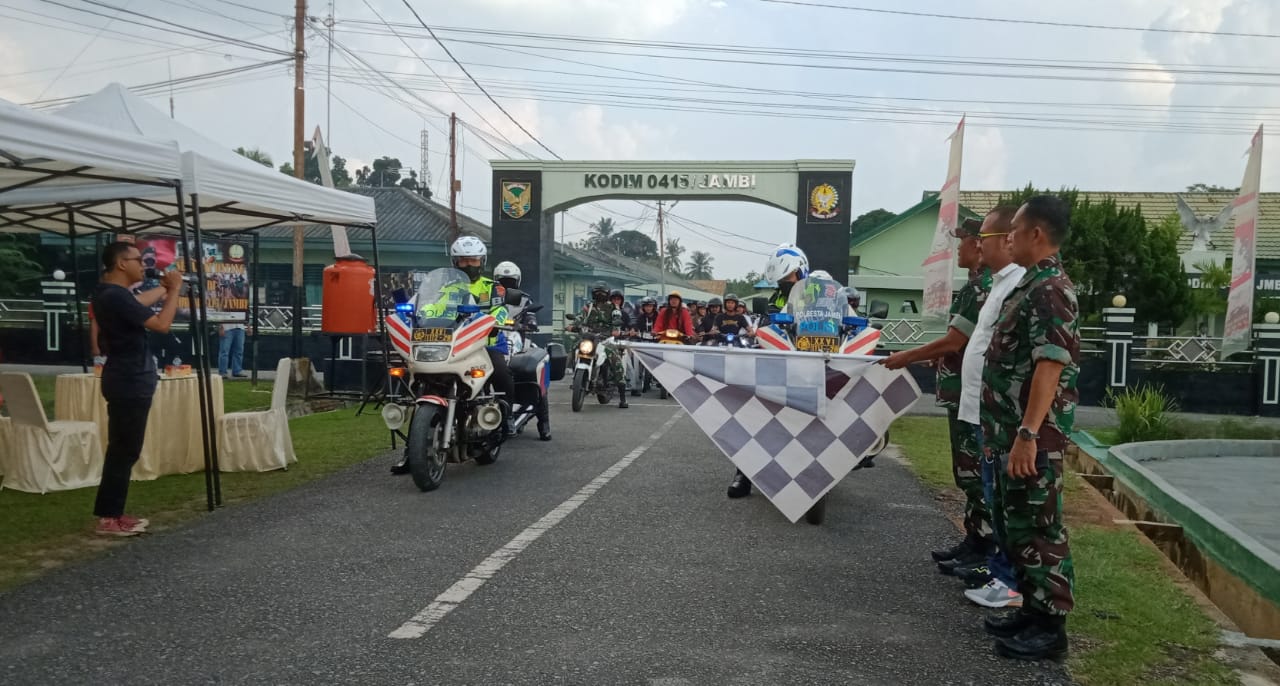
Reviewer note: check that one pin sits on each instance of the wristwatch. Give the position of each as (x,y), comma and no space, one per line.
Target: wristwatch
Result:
(1027,434)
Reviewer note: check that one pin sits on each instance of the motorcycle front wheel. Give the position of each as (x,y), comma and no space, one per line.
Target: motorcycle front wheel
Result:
(579,389)
(426,460)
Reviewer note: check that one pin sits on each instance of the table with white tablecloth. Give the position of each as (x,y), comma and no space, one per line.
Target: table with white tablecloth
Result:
(174,443)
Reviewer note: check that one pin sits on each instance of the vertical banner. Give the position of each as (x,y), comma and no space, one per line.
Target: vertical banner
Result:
(1236,333)
(939,266)
(341,246)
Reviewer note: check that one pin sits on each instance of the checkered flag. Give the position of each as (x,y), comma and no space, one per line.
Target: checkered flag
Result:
(794,423)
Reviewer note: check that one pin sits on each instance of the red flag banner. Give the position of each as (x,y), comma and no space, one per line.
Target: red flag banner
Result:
(939,266)
(1237,332)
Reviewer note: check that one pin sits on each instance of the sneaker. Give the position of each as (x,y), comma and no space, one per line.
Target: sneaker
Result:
(241,375)
(112,526)
(976,576)
(995,594)
(138,523)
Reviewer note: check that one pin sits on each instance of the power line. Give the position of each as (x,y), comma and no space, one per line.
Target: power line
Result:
(255,9)
(1035,22)
(53,102)
(433,73)
(109,35)
(477,83)
(75,59)
(175,27)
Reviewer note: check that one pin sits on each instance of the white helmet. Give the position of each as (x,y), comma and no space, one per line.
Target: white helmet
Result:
(820,274)
(786,258)
(469,246)
(507,270)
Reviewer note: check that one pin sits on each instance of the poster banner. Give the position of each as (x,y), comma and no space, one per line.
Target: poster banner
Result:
(939,266)
(1236,333)
(226,275)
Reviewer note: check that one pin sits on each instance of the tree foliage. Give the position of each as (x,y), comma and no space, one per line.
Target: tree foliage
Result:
(1111,250)
(601,233)
(634,244)
(383,172)
(256,155)
(745,286)
(311,170)
(1209,188)
(674,256)
(870,220)
(20,271)
(699,265)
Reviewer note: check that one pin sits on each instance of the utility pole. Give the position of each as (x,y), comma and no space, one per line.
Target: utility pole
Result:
(299,161)
(170,61)
(453,174)
(662,254)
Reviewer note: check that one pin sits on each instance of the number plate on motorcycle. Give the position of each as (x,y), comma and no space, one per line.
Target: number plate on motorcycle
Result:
(818,344)
(433,335)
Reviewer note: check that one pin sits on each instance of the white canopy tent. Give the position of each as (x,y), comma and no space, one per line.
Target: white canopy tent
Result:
(74,160)
(231,192)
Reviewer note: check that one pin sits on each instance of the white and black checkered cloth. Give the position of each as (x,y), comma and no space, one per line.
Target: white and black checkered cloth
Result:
(794,423)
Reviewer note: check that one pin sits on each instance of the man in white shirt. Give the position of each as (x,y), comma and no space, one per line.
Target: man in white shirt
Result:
(1000,588)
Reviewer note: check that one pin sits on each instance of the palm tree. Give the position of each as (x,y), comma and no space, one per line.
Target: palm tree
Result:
(674,256)
(601,232)
(699,266)
(257,156)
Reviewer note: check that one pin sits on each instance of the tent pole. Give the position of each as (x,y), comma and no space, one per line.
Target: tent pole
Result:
(211,430)
(381,321)
(75,289)
(202,377)
(253,311)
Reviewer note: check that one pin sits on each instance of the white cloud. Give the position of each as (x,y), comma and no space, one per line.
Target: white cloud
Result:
(614,17)
(596,138)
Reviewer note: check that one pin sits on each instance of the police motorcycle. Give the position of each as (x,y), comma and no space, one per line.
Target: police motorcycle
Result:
(532,367)
(451,416)
(816,321)
(591,372)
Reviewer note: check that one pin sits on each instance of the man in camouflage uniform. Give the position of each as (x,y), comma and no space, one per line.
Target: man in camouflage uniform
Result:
(597,317)
(1028,409)
(948,352)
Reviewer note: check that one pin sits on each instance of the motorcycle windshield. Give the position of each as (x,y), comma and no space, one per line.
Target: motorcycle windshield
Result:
(818,308)
(440,294)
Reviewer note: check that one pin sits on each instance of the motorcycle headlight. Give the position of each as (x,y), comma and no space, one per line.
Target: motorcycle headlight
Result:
(431,353)
(393,415)
(586,347)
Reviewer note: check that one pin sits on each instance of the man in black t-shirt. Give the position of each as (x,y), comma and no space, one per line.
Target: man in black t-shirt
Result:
(128,377)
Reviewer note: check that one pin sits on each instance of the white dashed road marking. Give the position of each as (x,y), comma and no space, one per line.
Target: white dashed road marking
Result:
(456,594)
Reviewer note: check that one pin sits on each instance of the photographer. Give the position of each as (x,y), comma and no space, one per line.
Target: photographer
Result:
(129,375)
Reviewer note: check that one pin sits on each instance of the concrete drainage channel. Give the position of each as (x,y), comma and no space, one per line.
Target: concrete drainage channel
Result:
(1210,506)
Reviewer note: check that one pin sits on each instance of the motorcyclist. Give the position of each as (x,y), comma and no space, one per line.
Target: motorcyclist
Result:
(628,312)
(734,318)
(674,315)
(786,266)
(508,275)
(644,322)
(707,327)
(854,297)
(597,317)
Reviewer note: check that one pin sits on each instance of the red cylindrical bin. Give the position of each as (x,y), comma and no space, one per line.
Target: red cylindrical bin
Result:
(347,307)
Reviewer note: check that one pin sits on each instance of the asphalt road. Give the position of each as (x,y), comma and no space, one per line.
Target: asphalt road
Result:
(652,577)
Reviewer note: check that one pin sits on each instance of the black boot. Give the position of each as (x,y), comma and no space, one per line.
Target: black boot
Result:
(954,551)
(401,467)
(1006,624)
(1043,638)
(622,397)
(740,487)
(544,431)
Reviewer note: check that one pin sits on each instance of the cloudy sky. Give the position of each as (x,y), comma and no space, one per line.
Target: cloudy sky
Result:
(1168,100)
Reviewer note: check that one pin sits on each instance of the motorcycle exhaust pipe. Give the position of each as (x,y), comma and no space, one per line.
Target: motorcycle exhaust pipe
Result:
(488,417)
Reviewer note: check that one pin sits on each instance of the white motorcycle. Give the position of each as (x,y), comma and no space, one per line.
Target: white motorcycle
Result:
(591,372)
(451,415)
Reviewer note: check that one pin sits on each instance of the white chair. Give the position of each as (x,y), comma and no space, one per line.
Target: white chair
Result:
(43,455)
(259,441)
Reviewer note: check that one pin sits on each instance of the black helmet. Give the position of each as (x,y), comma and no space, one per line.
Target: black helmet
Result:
(617,292)
(600,286)
(649,300)
(732,296)
(715,302)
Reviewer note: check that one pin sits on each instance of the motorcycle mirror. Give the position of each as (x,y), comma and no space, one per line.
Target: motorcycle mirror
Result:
(759,306)
(514,296)
(879,309)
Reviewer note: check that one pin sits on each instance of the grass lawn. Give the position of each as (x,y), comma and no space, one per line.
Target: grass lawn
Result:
(1225,428)
(44,531)
(1132,623)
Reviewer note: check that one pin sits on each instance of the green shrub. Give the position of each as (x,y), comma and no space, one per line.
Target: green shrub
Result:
(1142,415)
